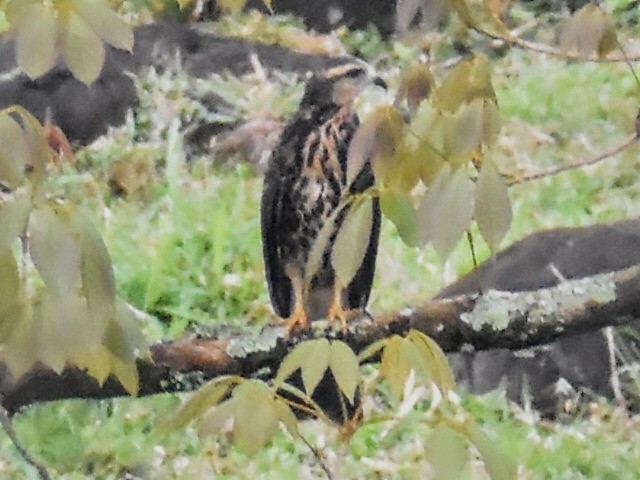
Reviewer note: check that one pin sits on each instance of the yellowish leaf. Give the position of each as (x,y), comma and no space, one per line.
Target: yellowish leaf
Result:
(54,249)
(497,462)
(436,364)
(314,366)
(345,368)
(447,453)
(352,240)
(492,206)
(416,85)
(98,283)
(395,369)
(10,293)
(468,80)
(287,418)
(446,210)
(464,128)
(255,415)
(14,212)
(430,204)
(106,23)
(82,49)
(206,397)
(589,30)
(14,152)
(35,29)
(461,8)
(19,352)
(233,6)
(371,350)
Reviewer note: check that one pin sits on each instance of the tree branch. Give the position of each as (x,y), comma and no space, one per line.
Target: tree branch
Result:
(492,320)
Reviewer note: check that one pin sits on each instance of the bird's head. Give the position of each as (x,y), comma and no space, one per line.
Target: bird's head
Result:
(339,85)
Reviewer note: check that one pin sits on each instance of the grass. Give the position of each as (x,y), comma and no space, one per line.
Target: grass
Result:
(186,248)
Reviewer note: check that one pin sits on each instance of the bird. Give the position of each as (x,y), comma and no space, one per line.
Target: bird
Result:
(304,185)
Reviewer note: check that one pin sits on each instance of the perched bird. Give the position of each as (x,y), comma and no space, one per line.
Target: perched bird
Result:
(305,181)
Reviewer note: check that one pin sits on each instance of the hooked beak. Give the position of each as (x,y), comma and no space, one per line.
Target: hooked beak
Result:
(378,81)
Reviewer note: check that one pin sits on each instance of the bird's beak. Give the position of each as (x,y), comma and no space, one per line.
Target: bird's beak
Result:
(380,82)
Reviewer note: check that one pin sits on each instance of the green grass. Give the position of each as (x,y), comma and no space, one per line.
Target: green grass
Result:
(186,249)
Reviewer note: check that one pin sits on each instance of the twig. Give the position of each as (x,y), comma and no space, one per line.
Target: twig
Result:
(7,424)
(584,163)
(512,39)
(319,458)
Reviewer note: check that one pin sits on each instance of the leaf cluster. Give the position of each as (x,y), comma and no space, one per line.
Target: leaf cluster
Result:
(252,410)
(57,291)
(73,29)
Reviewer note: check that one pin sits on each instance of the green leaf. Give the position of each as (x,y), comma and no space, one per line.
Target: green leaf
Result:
(447,453)
(54,248)
(14,212)
(445,212)
(345,368)
(82,49)
(398,207)
(498,465)
(14,152)
(35,28)
(106,23)
(352,240)
(207,396)
(464,128)
(492,206)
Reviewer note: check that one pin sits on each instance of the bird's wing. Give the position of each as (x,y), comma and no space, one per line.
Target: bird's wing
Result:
(271,208)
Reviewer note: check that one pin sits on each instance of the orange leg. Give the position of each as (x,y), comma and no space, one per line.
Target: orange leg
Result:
(298,320)
(338,312)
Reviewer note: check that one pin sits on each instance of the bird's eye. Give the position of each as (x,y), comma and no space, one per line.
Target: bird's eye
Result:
(355,73)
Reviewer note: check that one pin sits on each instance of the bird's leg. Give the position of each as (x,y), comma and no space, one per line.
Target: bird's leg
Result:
(298,318)
(337,311)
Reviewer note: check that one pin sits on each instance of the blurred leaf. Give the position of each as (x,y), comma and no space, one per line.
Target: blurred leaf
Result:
(445,212)
(371,350)
(54,248)
(127,375)
(35,29)
(398,207)
(10,293)
(415,85)
(345,368)
(469,80)
(98,283)
(233,6)
(497,463)
(207,396)
(13,160)
(590,29)
(492,206)
(123,337)
(352,240)
(394,366)
(14,212)
(106,23)
(464,128)
(461,8)
(82,49)
(437,369)
(287,417)
(447,453)
(255,415)
(311,357)
(19,351)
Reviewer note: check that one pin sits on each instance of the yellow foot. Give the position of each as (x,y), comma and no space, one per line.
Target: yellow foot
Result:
(336,312)
(298,320)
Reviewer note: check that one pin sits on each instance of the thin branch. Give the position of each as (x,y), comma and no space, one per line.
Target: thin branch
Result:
(632,140)
(512,39)
(7,425)
(318,457)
